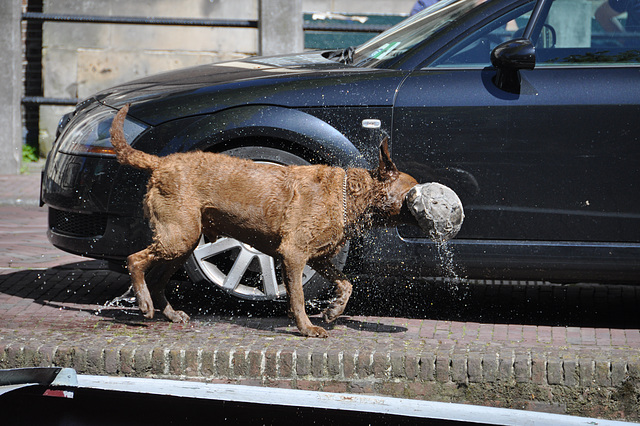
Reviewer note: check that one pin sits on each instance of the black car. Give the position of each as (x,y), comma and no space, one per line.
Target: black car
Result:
(529,110)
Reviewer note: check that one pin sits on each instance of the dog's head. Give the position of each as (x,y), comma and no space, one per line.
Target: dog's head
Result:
(393,185)
(433,207)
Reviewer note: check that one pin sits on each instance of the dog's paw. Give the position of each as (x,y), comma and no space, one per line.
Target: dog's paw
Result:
(328,317)
(314,331)
(332,313)
(176,316)
(146,307)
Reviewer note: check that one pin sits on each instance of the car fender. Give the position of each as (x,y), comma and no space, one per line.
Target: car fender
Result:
(256,124)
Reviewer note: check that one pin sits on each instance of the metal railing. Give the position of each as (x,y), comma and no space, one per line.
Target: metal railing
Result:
(126,20)
(193,22)
(134,20)
(346,27)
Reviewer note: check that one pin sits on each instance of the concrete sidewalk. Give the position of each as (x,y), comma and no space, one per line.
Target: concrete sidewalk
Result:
(20,190)
(565,349)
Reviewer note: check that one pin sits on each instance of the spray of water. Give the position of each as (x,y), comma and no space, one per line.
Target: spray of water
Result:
(450,270)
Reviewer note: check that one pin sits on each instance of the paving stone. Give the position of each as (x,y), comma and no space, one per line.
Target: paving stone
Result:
(571,373)
(555,372)
(475,367)
(459,368)
(522,367)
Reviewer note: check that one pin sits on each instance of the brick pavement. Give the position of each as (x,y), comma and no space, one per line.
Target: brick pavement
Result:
(568,349)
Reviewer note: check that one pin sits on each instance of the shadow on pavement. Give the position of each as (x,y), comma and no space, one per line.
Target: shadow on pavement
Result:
(517,302)
(89,286)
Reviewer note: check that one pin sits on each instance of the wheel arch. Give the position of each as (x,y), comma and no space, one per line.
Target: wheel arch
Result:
(265,125)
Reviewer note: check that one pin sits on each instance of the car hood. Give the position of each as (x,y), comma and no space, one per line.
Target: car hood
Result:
(300,81)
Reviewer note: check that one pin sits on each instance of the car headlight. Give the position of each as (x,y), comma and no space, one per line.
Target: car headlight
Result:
(90,135)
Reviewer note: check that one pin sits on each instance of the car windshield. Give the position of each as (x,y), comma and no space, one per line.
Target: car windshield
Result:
(411,31)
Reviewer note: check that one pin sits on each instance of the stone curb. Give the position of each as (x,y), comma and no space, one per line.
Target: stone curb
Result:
(28,202)
(224,363)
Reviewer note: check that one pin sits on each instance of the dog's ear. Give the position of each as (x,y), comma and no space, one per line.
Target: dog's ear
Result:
(386,169)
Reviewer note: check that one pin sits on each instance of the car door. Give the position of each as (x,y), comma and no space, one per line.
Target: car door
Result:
(554,160)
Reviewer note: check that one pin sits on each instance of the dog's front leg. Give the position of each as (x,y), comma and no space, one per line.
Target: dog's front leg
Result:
(343,288)
(293,282)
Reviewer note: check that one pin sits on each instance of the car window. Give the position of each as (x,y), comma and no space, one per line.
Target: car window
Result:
(570,35)
(579,37)
(415,29)
(475,50)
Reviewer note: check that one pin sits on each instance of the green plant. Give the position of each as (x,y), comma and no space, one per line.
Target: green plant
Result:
(29,153)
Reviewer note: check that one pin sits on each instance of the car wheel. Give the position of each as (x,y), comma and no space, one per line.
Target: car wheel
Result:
(240,270)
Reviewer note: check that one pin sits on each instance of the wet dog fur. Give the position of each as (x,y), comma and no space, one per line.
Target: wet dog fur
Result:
(292,213)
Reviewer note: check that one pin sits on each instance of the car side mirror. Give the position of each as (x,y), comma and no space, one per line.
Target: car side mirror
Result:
(509,58)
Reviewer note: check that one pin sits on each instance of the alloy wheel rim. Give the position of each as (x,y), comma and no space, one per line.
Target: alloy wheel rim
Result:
(241,270)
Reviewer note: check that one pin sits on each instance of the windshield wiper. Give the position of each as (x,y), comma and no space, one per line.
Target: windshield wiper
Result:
(344,56)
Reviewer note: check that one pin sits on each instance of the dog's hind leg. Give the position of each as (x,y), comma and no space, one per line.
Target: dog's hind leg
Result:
(175,238)
(157,280)
(293,267)
(343,288)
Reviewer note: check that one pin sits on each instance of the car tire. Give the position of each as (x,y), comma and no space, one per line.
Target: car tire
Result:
(242,272)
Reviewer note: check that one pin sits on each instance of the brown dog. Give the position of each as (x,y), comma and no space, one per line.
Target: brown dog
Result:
(299,214)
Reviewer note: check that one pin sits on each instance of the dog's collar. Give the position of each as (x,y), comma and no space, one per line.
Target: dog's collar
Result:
(344,198)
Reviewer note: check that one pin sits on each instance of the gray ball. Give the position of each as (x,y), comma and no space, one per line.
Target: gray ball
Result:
(438,210)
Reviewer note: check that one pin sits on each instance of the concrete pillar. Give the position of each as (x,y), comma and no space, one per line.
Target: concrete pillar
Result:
(11,88)
(280,27)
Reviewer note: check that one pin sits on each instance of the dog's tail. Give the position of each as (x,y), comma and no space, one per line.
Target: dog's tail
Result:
(124,152)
